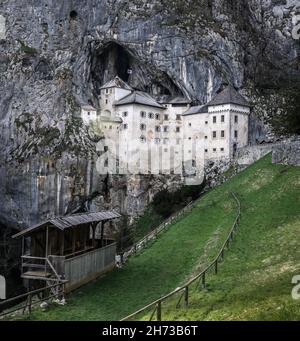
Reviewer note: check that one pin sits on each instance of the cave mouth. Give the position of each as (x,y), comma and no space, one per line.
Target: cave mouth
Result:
(114,59)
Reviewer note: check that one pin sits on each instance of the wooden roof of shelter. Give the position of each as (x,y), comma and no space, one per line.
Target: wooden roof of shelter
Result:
(70,221)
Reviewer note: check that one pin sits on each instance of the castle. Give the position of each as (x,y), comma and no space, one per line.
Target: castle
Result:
(127,115)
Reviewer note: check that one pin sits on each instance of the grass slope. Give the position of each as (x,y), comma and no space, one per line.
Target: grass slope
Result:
(156,270)
(254,282)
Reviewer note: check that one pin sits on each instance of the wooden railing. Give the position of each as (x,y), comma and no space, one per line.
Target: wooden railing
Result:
(54,291)
(201,277)
(142,243)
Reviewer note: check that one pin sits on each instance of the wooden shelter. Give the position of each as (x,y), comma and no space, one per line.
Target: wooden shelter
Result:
(68,249)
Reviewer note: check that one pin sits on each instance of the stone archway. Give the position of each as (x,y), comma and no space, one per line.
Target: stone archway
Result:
(2,288)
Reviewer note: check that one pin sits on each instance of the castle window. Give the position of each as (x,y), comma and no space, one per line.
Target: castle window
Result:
(236,134)
(143,126)
(178,141)
(190,124)
(88,113)
(166,117)
(222,149)
(143,114)
(222,118)
(143,139)
(214,119)
(166,141)
(236,119)
(125,126)
(106,91)
(106,101)
(150,115)
(157,129)
(214,134)
(166,129)
(105,149)
(157,116)
(125,114)
(177,129)
(193,163)
(205,137)
(157,140)
(73,15)
(178,117)
(214,150)
(206,122)
(110,127)
(106,163)
(206,150)
(190,138)
(222,133)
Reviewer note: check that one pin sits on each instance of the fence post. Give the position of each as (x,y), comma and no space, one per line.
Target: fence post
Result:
(186,296)
(203,281)
(29,303)
(158,311)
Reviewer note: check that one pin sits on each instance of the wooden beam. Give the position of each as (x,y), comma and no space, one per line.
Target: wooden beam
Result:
(73,240)
(102,233)
(94,230)
(47,241)
(62,242)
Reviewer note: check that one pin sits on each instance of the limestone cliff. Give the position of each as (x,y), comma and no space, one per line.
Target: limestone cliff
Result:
(54,55)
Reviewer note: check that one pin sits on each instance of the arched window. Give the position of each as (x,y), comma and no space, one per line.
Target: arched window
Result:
(157,129)
(143,139)
(143,126)
(143,114)
(151,115)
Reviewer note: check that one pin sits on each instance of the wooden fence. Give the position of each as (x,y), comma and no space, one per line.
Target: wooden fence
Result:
(200,279)
(83,268)
(25,301)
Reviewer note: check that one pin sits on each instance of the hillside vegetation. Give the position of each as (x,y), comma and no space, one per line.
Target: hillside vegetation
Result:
(254,281)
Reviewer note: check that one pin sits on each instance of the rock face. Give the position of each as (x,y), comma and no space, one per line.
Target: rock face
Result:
(55,55)
(288,155)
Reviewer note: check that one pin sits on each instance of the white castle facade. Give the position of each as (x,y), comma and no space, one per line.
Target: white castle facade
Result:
(171,127)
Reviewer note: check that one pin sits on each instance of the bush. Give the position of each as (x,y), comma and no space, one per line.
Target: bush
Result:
(166,203)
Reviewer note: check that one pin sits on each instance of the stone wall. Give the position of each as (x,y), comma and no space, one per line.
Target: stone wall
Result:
(289,154)
(284,150)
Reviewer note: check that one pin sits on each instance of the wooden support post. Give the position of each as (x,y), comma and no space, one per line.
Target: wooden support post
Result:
(186,297)
(102,233)
(62,242)
(203,281)
(85,236)
(47,241)
(29,303)
(73,240)
(216,267)
(94,230)
(158,311)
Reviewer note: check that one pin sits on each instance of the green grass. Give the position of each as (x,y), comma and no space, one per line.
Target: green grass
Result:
(146,223)
(254,282)
(155,271)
